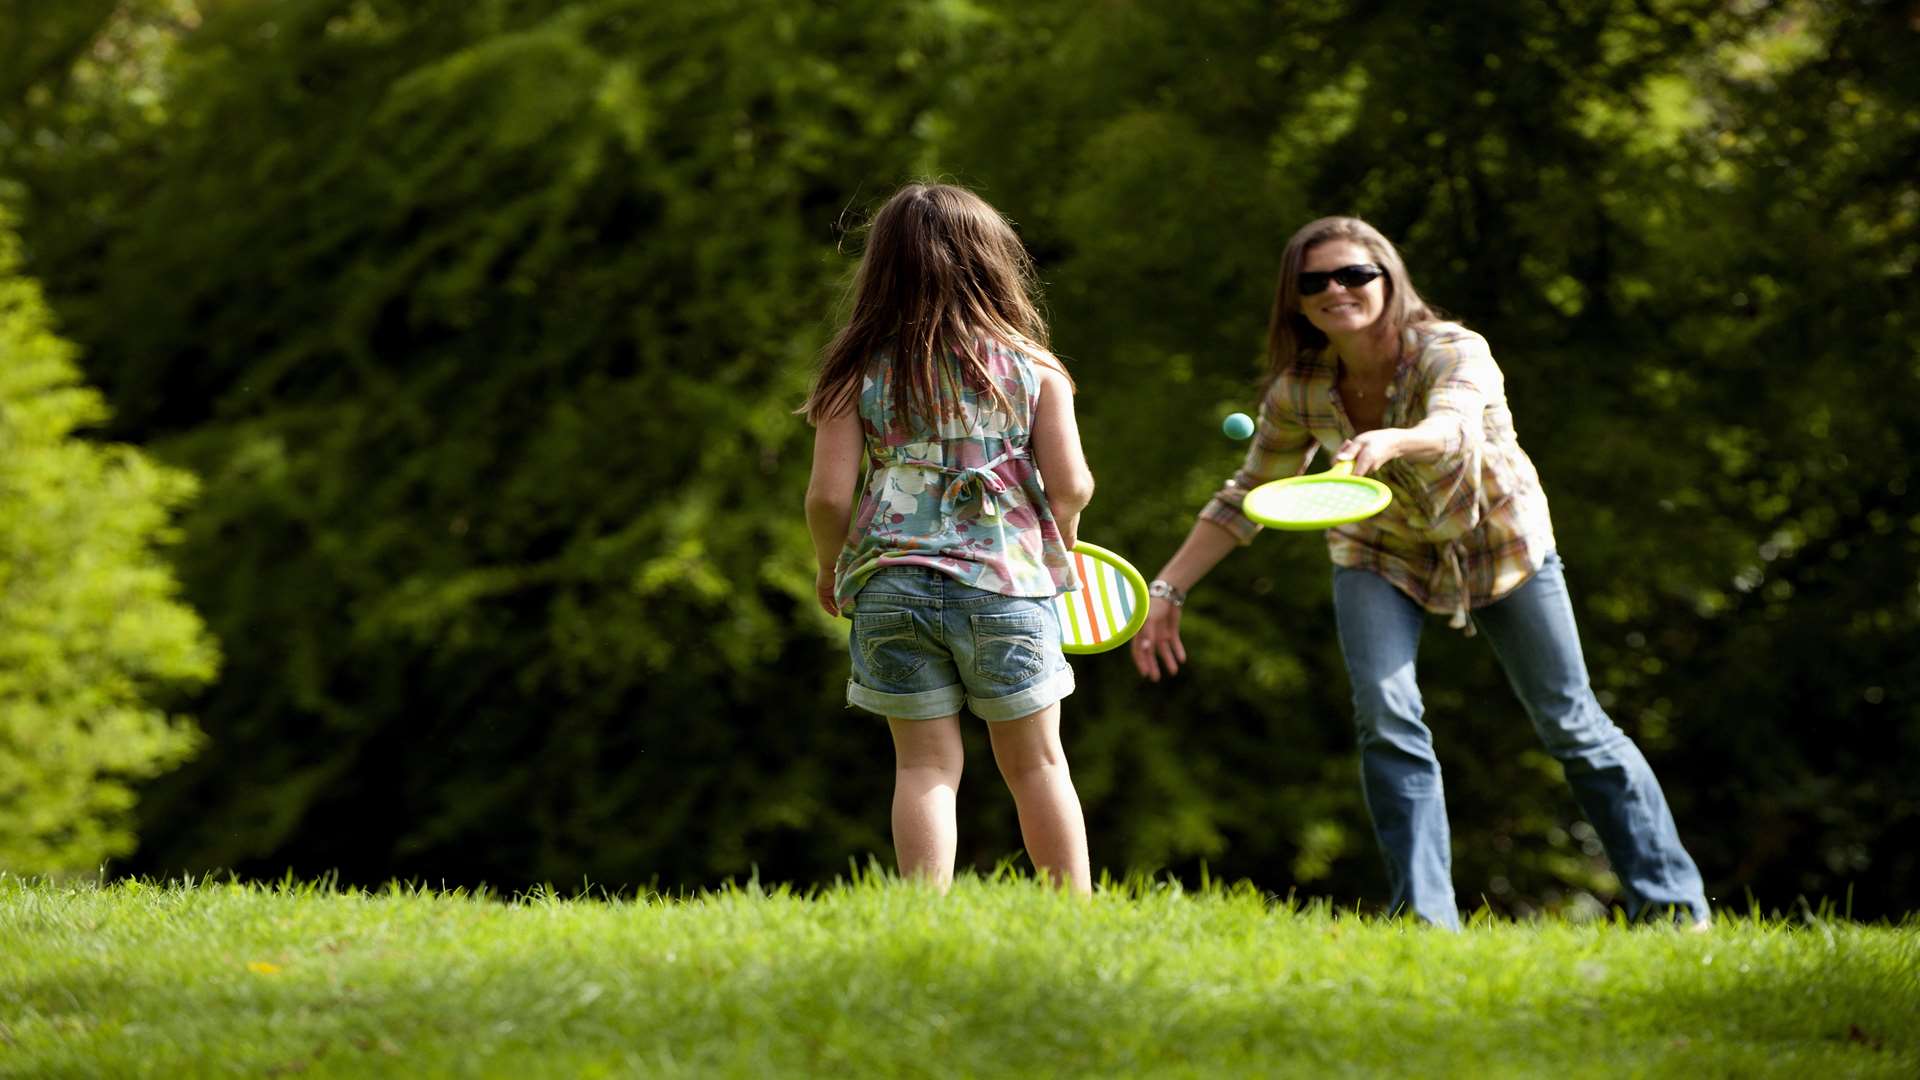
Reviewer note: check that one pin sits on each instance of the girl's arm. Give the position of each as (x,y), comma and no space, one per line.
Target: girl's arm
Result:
(837,447)
(1057,454)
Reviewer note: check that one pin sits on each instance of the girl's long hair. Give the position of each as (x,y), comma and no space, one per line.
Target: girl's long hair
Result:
(942,271)
(1290,335)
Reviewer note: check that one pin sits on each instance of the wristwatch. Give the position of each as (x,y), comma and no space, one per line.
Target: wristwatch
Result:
(1165,591)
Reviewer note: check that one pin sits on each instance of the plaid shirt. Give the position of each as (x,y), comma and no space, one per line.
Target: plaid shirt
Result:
(1465,528)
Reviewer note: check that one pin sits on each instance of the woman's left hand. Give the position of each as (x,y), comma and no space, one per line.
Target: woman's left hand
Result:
(823,590)
(1371,449)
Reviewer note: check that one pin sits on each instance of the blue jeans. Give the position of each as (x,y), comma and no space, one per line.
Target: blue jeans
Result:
(1533,634)
(924,644)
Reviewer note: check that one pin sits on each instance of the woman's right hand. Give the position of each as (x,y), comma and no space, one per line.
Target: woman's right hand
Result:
(1157,648)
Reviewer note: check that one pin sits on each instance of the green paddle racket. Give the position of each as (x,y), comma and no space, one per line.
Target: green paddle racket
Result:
(1320,501)
(1109,606)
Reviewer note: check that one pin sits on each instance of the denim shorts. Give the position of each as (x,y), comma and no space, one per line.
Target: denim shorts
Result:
(924,644)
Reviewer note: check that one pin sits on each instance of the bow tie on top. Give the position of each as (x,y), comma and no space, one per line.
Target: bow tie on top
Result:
(968,487)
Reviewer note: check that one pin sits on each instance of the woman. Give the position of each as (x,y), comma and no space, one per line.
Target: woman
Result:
(1362,366)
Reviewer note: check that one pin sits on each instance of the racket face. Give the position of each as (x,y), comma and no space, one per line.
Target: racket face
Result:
(1109,606)
(1316,502)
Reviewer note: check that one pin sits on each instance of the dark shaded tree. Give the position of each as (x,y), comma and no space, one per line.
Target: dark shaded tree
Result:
(483,323)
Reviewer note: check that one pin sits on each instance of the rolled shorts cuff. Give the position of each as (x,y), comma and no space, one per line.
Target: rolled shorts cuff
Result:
(1024,702)
(925,705)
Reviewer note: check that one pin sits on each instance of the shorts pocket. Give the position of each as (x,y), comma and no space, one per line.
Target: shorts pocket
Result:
(1009,648)
(889,646)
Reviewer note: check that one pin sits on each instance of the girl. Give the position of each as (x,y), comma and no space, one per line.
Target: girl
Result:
(1363,367)
(942,384)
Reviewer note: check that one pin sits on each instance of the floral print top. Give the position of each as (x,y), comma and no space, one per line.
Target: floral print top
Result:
(964,496)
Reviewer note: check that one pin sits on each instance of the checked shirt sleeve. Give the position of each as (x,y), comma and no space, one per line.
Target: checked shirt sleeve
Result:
(1465,379)
(1464,385)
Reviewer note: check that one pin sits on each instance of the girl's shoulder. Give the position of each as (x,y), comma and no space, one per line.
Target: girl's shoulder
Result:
(1020,353)
(1029,364)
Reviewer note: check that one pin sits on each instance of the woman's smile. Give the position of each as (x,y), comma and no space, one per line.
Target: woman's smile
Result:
(1341,308)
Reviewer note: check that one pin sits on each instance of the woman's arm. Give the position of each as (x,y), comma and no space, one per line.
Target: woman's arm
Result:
(1464,379)
(1058,455)
(1277,443)
(1427,440)
(837,447)
(1206,544)
(1157,646)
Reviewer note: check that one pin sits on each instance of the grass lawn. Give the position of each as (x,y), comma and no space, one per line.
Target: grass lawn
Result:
(875,978)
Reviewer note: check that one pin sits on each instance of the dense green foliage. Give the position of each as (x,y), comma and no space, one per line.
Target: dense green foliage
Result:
(999,978)
(482,323)
(92,634)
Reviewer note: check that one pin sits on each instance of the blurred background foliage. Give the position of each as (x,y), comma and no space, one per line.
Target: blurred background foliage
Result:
(481,324)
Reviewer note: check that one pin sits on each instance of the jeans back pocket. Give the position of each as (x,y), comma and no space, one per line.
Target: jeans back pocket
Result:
(1009,648)
(889,645)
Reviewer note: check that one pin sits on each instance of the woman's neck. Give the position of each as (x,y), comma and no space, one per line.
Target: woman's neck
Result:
(1371,353)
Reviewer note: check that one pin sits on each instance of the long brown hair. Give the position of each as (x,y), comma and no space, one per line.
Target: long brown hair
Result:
(1289,334)
(941,271)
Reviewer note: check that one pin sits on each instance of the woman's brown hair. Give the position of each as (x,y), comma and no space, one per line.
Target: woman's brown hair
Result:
(941,271)
(1289,334)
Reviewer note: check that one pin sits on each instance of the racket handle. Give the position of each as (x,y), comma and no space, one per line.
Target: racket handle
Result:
(1343,467)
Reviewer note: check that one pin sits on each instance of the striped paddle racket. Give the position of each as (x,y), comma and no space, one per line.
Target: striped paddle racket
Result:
(1109,606)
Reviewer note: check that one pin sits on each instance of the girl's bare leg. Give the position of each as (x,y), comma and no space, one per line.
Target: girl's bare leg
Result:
(1035,767)
(928,757)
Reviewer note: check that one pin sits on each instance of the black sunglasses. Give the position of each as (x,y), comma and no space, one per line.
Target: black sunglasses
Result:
(1349,277)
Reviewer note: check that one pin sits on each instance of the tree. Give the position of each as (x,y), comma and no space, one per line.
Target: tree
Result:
(486,346)
(93,638)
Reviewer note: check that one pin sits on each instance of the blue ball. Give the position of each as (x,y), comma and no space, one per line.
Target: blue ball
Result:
(1237,425)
